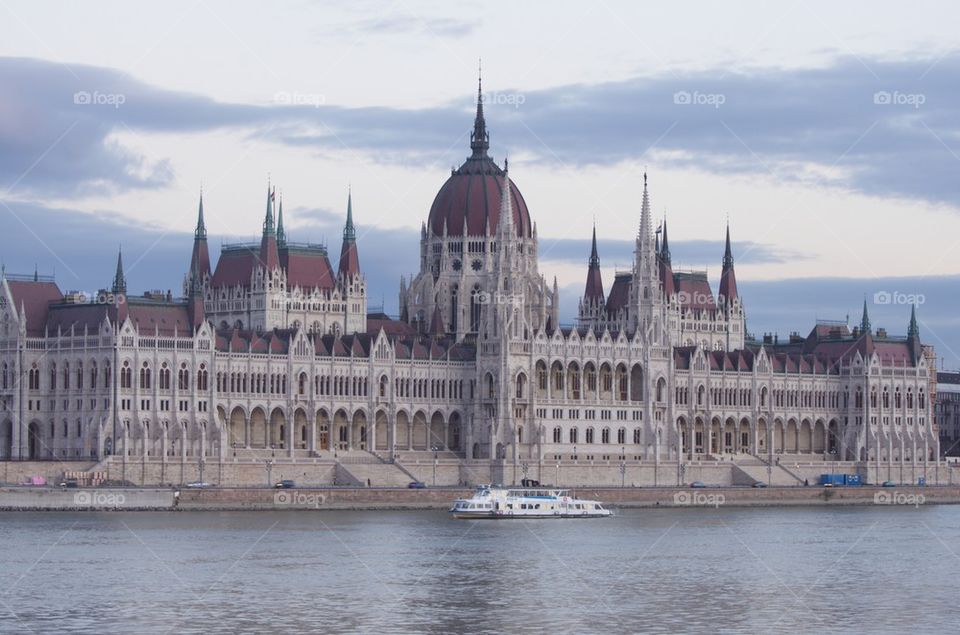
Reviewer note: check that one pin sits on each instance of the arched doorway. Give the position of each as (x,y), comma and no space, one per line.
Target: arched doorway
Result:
(34,441)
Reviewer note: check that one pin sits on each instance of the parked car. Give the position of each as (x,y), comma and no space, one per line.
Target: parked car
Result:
(198,485)
(759,484)
(416,485)
(697,484)
(889,484)
(68,482)
(285,484)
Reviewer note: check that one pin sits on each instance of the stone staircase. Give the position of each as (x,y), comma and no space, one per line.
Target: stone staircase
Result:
(748,473)
(375,474)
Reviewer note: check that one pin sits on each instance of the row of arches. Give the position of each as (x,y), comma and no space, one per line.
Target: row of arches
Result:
(342,430)
(573,381)
(93,439)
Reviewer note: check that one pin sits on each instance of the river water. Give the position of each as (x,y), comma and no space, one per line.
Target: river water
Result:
(697,570)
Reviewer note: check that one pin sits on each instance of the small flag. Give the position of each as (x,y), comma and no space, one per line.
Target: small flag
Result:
(273,194)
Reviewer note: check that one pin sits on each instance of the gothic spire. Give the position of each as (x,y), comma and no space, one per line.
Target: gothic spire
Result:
(201,231)
(728,278)
(119,280)
(349,233)
(281,235)
(913,330)
(268,228)
(506,205)
(594,288)
(479,138)
(727,253)
(865,320)
(349,258)
(594,256)
(665,247)
(645,234)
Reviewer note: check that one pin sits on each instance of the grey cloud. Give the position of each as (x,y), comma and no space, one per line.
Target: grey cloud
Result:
(770,119)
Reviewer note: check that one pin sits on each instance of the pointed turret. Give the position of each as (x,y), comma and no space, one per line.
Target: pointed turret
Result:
(269,257)
(728,278)
(479,138)
(200,258)
(349,259)
(594,288)
(505,226)
(865,319)
(281,235)
(645,234)
(913,337)
(665,266)
(119,280)
(665,247)
(201,231)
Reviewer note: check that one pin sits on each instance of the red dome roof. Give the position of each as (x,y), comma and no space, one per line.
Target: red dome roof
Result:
(472,194)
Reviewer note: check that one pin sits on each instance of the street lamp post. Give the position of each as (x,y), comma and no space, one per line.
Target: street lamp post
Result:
(268,464)
(623,473)
(435,449)
(200,464)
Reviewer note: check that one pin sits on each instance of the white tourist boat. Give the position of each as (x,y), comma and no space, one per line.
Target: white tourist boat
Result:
(497,501)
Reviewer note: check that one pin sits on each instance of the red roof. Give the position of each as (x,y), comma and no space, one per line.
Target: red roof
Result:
(473,194)
(307,269)
(235,266)
(35,297)
(164,318)
(619,293)
(693,291)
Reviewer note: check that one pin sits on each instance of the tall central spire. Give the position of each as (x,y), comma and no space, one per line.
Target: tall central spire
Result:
(645,237)
(479,138)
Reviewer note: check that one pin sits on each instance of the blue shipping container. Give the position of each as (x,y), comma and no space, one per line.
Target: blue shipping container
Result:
(853,480)
(831,479)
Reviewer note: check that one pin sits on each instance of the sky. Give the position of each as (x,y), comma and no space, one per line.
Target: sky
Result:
(826,134)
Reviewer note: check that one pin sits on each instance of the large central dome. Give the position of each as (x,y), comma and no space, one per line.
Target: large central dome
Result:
(473,192)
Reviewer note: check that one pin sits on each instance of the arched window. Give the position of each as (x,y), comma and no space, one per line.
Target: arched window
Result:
(622,436)
(573,435)
(202,377)
(589,435)
(126,376)
(183,377)
(557,434)
(605,435)
(145,380)
(521,385)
